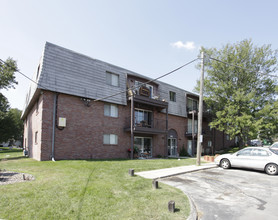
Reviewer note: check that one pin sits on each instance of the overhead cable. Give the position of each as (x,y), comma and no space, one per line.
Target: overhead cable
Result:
(153,80)
(261,73)
(16,70)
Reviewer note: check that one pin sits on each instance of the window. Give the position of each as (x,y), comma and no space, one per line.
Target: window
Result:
(209,143)
(259,152)
(245,152)
(36,137)
(192,104)
(112,79)
(172,96)
(110,139)
(111,110)
(189,126)
(143,118)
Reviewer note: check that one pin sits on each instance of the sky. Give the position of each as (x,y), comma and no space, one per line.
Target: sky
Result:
(149,37)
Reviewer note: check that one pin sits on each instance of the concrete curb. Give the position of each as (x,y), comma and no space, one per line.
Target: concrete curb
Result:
(169,172)
(193,215)
(189,171)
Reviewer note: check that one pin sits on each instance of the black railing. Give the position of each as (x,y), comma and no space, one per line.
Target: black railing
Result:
(205,131)
(157,124)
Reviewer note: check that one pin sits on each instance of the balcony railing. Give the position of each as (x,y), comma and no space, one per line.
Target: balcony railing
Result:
(153,126)
(205,131)
(206,112)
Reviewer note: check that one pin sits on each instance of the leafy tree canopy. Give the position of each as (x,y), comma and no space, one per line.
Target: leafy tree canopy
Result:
(10,123)
(240,91)
(7,76)
(11,126)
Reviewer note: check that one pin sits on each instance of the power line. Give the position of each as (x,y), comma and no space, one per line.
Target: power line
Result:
(153,80)
(106,97)
(261,73)
(16,70)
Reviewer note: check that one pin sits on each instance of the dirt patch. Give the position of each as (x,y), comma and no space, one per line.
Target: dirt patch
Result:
(8,177)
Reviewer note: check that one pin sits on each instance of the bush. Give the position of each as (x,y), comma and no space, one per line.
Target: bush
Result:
(183,152)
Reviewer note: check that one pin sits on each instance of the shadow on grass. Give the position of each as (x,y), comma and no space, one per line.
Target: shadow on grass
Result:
(12,158)
(83,194)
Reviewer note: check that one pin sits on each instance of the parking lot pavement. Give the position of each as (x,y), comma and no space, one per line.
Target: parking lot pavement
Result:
(230,194)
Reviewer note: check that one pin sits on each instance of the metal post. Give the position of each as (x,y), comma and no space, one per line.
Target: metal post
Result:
(166,135)
(200,115)
(193,130)
(131,125)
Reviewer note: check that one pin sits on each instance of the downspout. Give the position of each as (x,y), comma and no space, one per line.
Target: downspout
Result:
(53,126)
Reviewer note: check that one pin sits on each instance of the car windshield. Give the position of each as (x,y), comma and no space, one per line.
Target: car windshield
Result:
(274,150)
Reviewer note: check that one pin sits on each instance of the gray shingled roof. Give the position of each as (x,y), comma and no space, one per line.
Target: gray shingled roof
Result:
(65,71)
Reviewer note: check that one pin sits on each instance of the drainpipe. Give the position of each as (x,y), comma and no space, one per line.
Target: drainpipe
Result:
(53,126)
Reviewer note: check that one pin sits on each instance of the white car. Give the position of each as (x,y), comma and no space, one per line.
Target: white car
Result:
(257,158)
(274,145)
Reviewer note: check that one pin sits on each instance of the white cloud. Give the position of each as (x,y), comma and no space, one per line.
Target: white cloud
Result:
(188,45)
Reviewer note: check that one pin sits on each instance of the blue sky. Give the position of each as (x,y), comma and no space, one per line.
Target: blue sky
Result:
(150,37)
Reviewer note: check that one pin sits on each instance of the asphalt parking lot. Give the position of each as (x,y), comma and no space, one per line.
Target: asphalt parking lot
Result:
(230,194)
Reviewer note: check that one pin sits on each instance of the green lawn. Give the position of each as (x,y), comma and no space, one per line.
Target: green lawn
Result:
(82,189)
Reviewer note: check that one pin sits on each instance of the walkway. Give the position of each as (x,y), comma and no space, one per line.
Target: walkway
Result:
(163,173)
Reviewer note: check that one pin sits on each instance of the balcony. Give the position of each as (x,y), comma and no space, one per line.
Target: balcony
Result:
(150,101)
(154,126)
(206,112)
(205,131)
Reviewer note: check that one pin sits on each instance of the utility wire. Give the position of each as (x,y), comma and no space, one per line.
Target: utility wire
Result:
(153,80)
(261,73)
(106,97)
(16,70)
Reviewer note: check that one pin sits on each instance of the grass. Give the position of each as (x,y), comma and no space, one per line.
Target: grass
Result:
(89,189)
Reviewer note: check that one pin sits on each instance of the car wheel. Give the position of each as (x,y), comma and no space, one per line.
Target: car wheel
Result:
(225,163)
(271,169)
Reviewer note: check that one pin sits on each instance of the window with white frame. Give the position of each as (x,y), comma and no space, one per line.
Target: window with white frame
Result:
(111,110)
(143,117)
(110,139)
(172,96)
(112,79)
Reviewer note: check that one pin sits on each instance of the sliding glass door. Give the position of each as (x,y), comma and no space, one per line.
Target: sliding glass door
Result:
(144,146)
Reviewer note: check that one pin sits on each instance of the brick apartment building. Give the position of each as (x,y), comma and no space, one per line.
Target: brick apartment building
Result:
(70,113)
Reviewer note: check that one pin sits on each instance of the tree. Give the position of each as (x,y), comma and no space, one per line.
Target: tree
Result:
(7,80)
(7,76)
(239,90)
(11,126)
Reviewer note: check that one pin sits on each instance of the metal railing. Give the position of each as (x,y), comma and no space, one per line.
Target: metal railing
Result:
(158,124)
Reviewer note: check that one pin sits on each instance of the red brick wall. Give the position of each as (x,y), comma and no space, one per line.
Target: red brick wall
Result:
(32,124)
(82,138)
